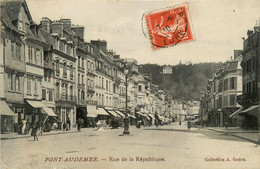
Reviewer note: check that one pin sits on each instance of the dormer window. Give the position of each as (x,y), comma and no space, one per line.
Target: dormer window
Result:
(20,25)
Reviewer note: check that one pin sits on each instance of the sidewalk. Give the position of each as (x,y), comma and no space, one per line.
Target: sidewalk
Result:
(249,135)
(6,136)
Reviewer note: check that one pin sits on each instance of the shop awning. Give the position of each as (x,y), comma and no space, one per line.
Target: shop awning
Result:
(48,111)
(5,109)
(113,113)
(92,111)
(121,114)
(236,112)
(141,114)
(101,111)
(130,115)
(152,116)
(253,110)
(36,104)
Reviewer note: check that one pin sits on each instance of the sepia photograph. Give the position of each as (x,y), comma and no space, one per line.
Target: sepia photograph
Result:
(130,84)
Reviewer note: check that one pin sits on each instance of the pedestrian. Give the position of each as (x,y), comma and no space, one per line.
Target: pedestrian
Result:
(189,125)
(226,125)
(68,124)
(34,131)
(79,123)
(40,126)
(24,126)
(27,126)
(20,125)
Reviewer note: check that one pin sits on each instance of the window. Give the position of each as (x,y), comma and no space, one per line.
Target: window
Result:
(92,66)
(43,94)
(50,95)
(82,62)
(102,82)
(233,82)
(58,68)
(88,65)
(12,49)
(139,88)
(225,84)
(109,86)
(17,82)
(232,100)
(61,46)
(78,61)
(10,82)
(29,84)
(41,57)
(18,51)
(82,77)
(106,85)
(69,49)
(30,54)
(35,86)
(65,70)
(79,78)
(35,57)
(71,72)
(220,86)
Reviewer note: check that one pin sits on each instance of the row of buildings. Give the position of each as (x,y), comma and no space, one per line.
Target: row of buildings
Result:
(48,69)
(232,94)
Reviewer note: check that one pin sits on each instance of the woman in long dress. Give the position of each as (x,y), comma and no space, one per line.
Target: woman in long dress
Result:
(24,126)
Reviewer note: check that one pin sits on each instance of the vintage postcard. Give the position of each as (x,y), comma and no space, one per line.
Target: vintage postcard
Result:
(130,84)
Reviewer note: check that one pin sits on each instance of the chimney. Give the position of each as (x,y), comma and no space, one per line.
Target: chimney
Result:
(249,32)
(66,24)
(101,45)
(57,27)
(257,26)
(79,30)
(46,24)
(237,53)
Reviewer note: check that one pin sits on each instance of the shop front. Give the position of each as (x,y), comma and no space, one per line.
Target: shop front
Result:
(91,115)
(7,117)
(251,117)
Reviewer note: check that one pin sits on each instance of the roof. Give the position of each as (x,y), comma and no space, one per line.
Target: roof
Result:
(10,12)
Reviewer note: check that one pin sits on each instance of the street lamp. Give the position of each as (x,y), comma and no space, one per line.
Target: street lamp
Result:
(126,119)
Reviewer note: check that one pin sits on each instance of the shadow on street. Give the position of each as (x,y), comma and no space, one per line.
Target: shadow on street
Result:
(206,134)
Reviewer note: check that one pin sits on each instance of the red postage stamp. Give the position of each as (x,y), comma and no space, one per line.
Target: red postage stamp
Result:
(169,27)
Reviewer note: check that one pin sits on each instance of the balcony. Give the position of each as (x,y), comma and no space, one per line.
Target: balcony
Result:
(91,89)
(81,101)
(91,102)
(101,70)
(64,97)
(91,72)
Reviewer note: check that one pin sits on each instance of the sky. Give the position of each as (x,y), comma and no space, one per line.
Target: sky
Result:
(218,26)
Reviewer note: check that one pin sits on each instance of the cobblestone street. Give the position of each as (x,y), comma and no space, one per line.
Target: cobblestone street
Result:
(149,147)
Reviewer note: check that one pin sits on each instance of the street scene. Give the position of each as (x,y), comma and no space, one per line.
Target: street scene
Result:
(133,84)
